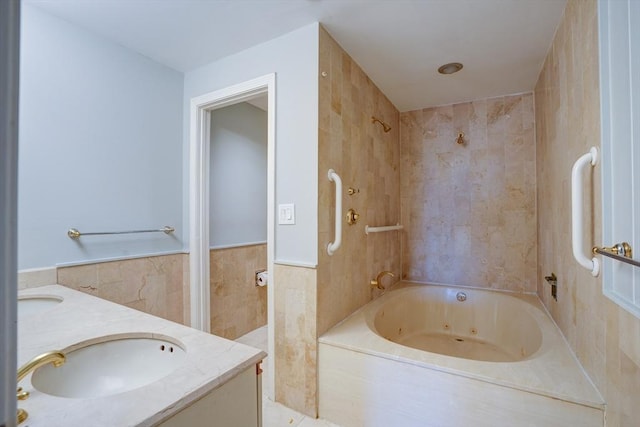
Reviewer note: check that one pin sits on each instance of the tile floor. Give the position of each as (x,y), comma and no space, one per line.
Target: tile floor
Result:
(274,414)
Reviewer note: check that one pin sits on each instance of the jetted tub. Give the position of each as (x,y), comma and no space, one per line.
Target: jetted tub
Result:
(430,355)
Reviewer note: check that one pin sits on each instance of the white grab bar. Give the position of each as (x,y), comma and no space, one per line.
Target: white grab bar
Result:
(368,229)
(577,223)
(333,246)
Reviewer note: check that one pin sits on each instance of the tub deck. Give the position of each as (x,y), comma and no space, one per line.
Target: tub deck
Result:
(550,388)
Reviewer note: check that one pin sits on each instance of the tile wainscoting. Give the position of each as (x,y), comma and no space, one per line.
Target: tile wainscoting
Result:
(154,285)
(238,306)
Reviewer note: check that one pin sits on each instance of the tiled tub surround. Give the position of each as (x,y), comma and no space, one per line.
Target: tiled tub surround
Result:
(210,362)
(367,159)
(469,211)
(365,379)
(156,285)
(604,336)
(238,306)
(313,300)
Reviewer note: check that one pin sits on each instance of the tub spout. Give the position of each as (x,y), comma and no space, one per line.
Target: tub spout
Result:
(377,282)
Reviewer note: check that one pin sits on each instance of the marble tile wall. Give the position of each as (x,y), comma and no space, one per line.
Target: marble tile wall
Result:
(604,336)
(186,296)
(237,306)
(310,301)
(469,210)
(296,344)
(37,277)
(154,285)
(367,159)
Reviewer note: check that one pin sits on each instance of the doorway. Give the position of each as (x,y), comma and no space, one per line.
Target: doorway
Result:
(201,111)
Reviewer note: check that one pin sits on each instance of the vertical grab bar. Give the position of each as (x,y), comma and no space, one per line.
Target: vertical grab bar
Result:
(577,229)
(333,246)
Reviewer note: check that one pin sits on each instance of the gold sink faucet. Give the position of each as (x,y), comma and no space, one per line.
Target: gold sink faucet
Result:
(57,358)
(377,282)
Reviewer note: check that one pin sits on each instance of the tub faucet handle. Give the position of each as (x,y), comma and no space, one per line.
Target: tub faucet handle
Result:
(377,282)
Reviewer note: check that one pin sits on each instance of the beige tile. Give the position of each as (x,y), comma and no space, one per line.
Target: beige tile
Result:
(186,293)
(36,277)
(368,159)
(453,195)
(603,335)
(82,277)
(296,338)
(237,305)
(152,284)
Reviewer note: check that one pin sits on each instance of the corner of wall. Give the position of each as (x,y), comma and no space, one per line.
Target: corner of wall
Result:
(567,101)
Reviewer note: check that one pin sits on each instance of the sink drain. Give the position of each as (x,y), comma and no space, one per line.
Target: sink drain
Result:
(459,339)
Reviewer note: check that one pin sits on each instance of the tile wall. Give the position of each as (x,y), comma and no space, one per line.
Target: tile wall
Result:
(310,301)
(160,286)
(367,159)
(469,210)
(238,306)
(604,336)
(37,277)
(296,347)
(154,285)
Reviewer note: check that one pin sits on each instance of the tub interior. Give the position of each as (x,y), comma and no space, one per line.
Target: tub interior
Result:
(485,326)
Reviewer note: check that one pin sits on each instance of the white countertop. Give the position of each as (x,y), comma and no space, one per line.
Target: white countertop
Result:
(210,361)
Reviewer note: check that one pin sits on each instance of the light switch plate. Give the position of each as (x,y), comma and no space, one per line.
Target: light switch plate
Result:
(286,214)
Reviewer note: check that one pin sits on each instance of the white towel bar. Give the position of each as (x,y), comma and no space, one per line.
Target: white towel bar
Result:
(333,246)
(368,229)
(577,222)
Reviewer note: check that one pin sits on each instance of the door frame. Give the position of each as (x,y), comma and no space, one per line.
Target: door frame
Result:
(9,96)
(199,149)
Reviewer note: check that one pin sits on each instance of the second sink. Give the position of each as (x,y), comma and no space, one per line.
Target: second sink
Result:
(30,306)
(113,365)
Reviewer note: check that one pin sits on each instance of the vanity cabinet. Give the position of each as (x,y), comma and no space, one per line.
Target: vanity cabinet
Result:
(236,403)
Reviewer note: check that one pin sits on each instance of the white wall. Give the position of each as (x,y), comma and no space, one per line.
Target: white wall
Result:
(294,59)
(100,146)
(238,176)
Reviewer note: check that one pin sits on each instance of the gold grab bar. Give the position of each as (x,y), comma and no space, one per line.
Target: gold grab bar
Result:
(75,234)
(620,252)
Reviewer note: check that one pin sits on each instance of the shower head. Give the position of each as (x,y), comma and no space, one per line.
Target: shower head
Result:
(385,126)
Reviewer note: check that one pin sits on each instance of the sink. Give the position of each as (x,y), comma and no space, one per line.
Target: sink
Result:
(113,365)
(28,306)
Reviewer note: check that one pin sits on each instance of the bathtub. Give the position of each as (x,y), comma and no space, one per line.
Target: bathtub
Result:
(431,355)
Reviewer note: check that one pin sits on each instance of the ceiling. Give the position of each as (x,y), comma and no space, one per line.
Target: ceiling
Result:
(399,43)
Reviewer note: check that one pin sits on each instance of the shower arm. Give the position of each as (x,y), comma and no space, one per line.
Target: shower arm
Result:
(385,126)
